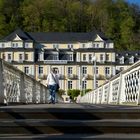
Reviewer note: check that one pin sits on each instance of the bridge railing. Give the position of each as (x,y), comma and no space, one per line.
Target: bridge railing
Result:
(17,87)
(124,88)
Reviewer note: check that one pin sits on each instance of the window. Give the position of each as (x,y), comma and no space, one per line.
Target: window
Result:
(55,57)
(101,57)
(121,68)
(3,56)
(84,84)
(90,57)
(26,45)
(93,45)
(122,60)
(70,46)
(26,56)
(107,45)
(83,45)
(20,57)
(26,70)
(97,70)
(97,84)
(131,60)
(9,56)
(56,46)
(84,57)
(69,70)
(69,84)
(107,57)
(126,54)
(13,45)
(40,71)
(107,70)
(70,57)
(16,44)
(84,70)
(2,45)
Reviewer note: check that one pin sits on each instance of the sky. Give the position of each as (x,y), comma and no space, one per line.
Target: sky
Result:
(134,1)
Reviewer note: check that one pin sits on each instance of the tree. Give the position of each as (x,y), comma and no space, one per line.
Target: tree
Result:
(118,19)
(10,17)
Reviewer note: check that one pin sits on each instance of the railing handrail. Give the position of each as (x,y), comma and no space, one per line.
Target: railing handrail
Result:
(123,88)
(18,87)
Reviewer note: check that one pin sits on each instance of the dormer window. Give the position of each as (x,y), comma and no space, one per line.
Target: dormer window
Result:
(13,45)
(2,45)
(93,45)
(70,46)
(3,56)
(126,54)
(16,45)
(26,45)
(83,45)
(107,45)
(122,60)
(56,46)
(70,57)
(131,60)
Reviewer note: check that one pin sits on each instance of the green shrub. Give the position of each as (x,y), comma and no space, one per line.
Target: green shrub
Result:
(73,93)
(85,91)
(61,92)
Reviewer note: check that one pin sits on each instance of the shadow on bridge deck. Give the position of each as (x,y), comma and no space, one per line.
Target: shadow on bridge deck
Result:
(64,119)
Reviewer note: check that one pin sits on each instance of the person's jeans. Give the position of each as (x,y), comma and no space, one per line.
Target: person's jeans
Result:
(52,90)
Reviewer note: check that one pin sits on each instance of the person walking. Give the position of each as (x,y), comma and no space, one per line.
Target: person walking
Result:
(53,84)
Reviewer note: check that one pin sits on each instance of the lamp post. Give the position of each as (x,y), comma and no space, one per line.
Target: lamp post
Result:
(94,71)
(83,85)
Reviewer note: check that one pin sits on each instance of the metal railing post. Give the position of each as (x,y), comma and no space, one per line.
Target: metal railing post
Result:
(2,89)
(22,89)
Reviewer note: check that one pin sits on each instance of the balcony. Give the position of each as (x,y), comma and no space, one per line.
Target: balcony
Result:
(55,61)
(42,76)
(100,77)
(108,76)
(72,76)
(87,77)
(102,61)
(61,77)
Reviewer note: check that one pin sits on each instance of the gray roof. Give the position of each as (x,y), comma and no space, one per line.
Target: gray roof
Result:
(56,37)
(127,55)
(23,35)
(66,37)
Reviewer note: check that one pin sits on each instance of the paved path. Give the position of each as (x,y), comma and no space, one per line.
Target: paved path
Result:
(73,106)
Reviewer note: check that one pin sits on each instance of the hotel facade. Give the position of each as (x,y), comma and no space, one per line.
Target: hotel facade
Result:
(72,53)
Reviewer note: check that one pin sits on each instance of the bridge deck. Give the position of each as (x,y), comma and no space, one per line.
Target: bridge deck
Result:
(73,106)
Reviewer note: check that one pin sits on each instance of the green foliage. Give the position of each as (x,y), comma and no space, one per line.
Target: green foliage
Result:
(118,19)
(73,93)
(83,92)
(61,92)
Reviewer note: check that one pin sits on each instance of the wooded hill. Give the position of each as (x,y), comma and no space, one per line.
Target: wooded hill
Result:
(118,19)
